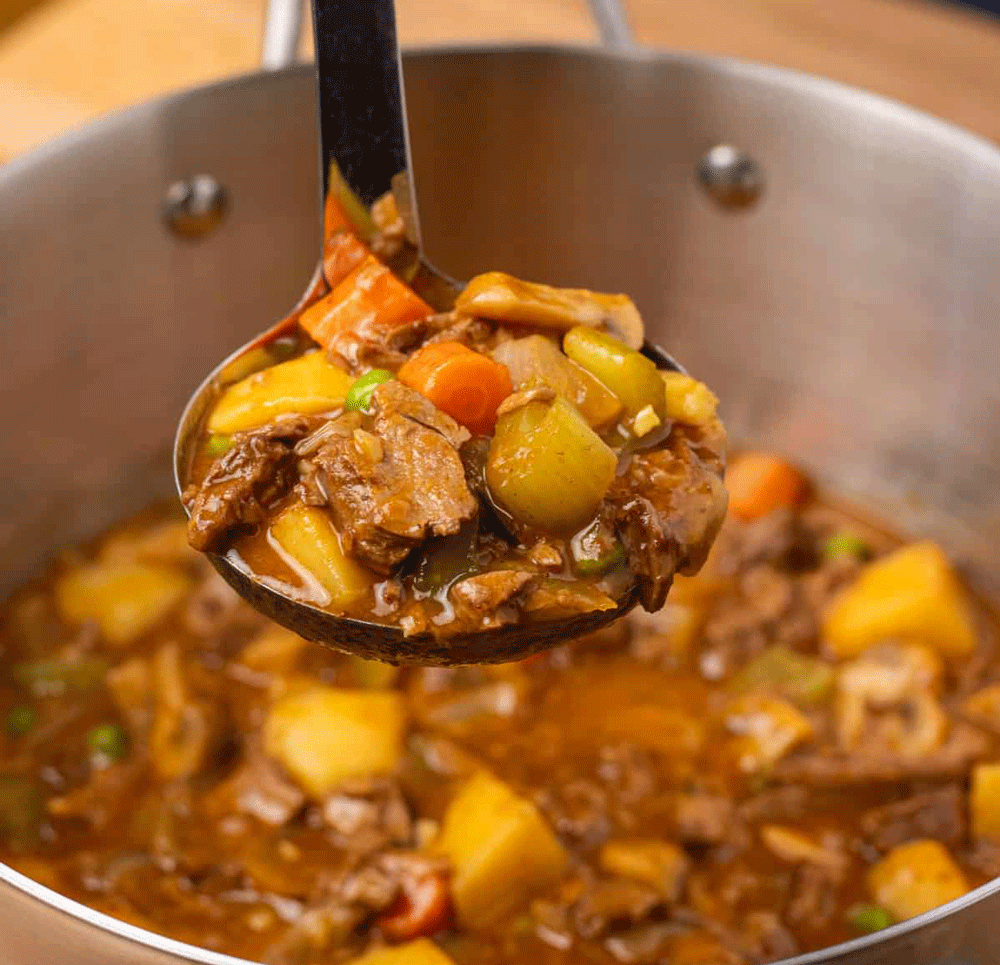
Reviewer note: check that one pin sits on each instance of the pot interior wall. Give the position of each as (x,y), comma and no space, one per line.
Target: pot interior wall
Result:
(848,320)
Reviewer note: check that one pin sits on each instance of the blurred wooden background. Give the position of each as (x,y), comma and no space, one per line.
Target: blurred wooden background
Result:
(66,61)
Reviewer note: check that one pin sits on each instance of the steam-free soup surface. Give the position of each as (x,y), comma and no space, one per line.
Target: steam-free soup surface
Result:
(800,747)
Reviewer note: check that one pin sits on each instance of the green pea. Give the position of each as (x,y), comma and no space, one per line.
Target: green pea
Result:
(870,918)
(22,720)
(846,543)
(591,566)
(218,444)
(359,395)
(107,742)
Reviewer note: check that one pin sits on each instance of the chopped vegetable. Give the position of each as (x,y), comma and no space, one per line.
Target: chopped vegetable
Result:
(274,652)
(107,742)
(502,298)
(307,384)
(548,468)
(342,254)
(22,720)
(422,908)
(915,878)
(846,543)
(448,558)
(123,599)
(21,811)
(54,676)
(421,952)
(659,864)
(645,421)
(631,376)
(359,396)
(218,444)
(785,673)
(371,298)
(537,360)
(688,400)
(768,729)
(759,483)
(870,918)
(324,735)
(344,211)
(465,384)
(501,850)
(599,565)
(308,536)
(793,846)
(984,801)
(911,594)
(983,707)
(183,730)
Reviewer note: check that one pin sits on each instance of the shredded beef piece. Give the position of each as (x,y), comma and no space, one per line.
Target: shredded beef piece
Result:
(214,610)
(938,814)
(610,903)
(763,938)
(671,525)
(258,788)
(256,472)
(703,818)
(964,746)
(393,487)
(474,333)
(479,600)
(814,894)
(368,815)
(985,857)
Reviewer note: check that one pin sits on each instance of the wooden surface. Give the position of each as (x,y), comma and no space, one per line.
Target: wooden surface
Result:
(71,60)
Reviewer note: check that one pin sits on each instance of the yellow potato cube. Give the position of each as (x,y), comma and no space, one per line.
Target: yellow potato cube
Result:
(324,736)
(501,850)
(767,729)
(307,534)
(984,801)
(983,707)
(688,400)
(123,599)
(911,594)
(307,384)
(421,952)
(915,878)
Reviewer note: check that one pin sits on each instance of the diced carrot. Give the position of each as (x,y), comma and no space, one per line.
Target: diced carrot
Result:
(334,218)
(759,482)
(368,299)
(341,255)
(466,385)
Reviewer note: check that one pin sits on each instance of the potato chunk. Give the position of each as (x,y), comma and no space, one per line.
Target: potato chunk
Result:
(984,801)
(305,385)
(659,864)
(911,594)
(915,878)
(421,952)
(688,400)
(324,735)
(548,468)
(123,599)
(768,729)
(308,535)
(501,850)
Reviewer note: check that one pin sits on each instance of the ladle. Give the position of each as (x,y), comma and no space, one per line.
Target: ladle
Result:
(363,135)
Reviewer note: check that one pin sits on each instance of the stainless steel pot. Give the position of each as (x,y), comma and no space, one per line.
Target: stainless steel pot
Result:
(848,318)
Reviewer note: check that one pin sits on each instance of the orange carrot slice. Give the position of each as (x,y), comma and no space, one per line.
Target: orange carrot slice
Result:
(466,385)
(759,483)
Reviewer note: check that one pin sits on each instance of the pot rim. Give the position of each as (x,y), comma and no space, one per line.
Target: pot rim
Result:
(829,92)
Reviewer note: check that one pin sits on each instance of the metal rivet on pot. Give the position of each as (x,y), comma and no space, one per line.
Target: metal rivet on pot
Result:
(194,207)
(731,177)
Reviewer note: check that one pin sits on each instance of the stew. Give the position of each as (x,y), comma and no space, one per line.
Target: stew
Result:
(801,746)
(508,454)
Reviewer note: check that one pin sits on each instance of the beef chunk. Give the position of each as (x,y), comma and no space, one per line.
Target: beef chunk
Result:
(478,600)
(964,746)
(257,471)
(667,507)
(703,818)
(938,814)
(392,487)
(613,903)
(368,814)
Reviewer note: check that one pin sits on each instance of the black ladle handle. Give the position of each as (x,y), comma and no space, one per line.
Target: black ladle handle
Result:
(362,107)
